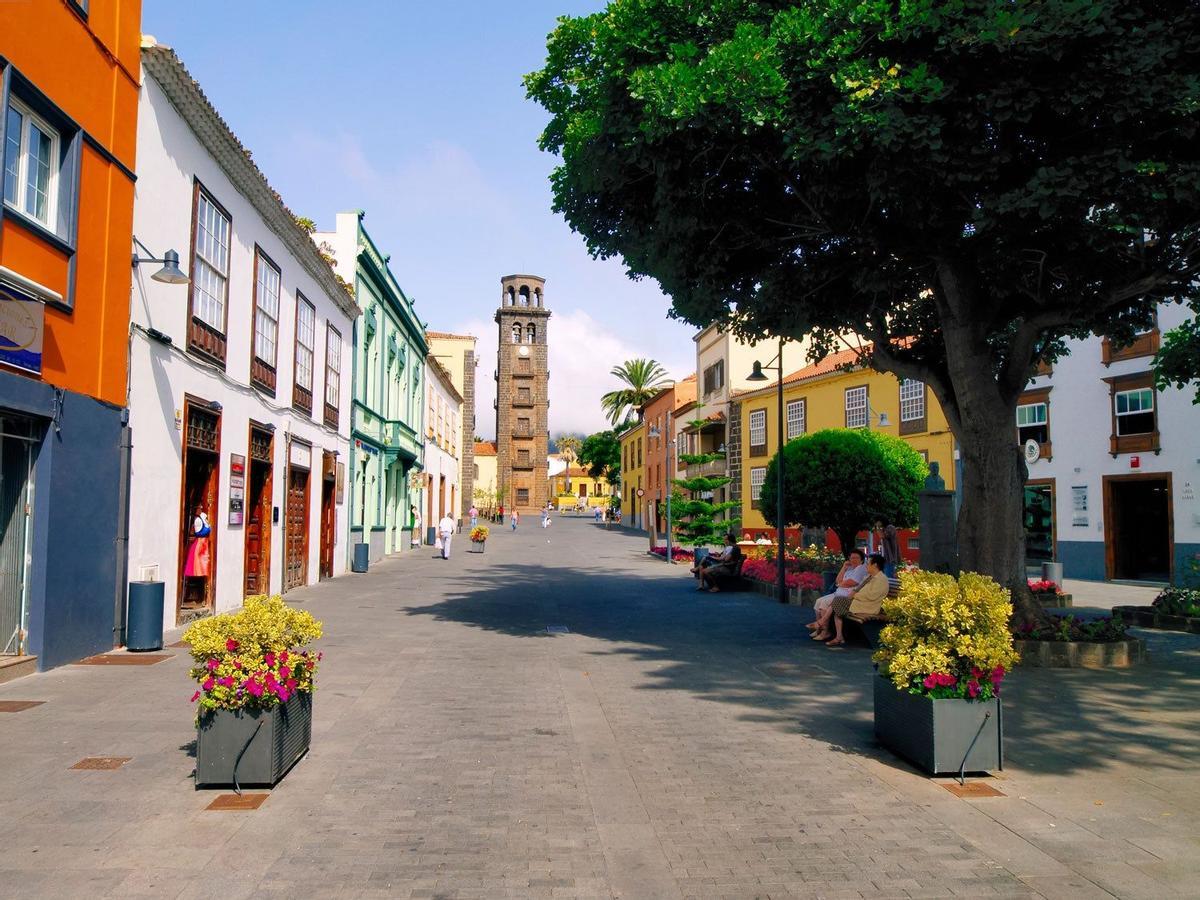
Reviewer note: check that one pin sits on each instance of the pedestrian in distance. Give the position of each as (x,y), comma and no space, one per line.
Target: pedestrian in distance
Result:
(546,517)
(474,514)
(416,527)
(446,530)
(514,519)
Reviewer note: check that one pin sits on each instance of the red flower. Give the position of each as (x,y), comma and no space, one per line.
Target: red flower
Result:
(208,683)
(973,688)
(195,696)
(231,645)
(931,681)
(269,659)
(283,657)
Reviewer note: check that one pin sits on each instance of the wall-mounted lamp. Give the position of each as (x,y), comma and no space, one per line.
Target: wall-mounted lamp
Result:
(215,406)
(170,273)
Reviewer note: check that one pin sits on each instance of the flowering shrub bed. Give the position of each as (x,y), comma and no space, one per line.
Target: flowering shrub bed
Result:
(677,553)
(1068,628)
(764,570)
(1044,587)
(1178,601)
(255,658)
(479,534)
(948,637)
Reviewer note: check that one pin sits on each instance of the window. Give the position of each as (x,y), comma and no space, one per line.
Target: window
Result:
(333,374)
(856,407)
(210,276)
(1144,344)
(531,333)
(524,397)
(1033,422)
(912,406)
(714,377)
(523,495)
(758,476)
(1135,411)
(266,322)
(523,427)
(797,415)
(758,432)
(639,455)
(306,334)
(523,457)
(31,166)
(516,333)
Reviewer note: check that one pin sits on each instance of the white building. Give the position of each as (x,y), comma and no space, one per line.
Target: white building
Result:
(240,380)
(1113,463)
(443,446)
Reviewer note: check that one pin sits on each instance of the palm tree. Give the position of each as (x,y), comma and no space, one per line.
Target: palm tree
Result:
(569,446)
(643,378)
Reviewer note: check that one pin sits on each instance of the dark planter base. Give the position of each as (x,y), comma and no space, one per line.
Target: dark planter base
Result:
(1054,601)
(272,740)
(935,734)
(1149,617)
(1081,654)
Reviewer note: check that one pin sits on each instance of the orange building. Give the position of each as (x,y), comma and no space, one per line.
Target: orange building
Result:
(69,74)
(663,427)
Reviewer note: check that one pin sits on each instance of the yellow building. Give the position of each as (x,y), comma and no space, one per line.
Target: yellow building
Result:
(484,479)
(574,487)
(830,395)
(632,441)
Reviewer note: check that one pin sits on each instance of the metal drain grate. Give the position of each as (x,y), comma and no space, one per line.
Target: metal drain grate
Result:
(972,789)
(235,803)
(18,705)
(124,659)
(557,629)
(101,763)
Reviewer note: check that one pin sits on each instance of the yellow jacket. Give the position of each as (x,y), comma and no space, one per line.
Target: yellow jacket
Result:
(867,599)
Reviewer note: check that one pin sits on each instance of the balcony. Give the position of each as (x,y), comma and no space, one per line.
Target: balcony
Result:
(712,469)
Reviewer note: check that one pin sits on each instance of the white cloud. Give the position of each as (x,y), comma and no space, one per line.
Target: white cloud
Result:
(582,353)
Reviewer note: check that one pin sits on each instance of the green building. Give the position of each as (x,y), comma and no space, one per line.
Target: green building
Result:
(388,392)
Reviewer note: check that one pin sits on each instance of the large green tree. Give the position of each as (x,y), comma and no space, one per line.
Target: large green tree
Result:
(601,453)
(642,379)
(1177,363)
(845,480)
(959,185)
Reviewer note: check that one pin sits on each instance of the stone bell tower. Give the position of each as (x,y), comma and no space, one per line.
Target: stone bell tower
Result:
(522,393)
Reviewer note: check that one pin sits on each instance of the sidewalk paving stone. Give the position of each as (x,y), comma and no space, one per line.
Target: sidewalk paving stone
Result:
(669,744)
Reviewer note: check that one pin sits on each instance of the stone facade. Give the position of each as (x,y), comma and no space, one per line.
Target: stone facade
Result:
(522,393)
(733,453)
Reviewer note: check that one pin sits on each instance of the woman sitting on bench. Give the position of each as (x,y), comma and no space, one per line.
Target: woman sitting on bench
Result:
(866,600)
(724,563)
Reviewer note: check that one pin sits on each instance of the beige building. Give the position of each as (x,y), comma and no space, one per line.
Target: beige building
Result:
(455,353)
(484,477)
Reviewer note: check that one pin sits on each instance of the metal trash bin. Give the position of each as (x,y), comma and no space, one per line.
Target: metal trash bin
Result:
(1052,571)
(362,558)
(144,628)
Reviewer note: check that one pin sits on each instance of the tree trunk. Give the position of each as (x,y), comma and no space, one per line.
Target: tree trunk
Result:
(846,535)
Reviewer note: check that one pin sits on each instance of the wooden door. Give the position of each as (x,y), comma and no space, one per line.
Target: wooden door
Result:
(258,530)
(296,527)
(201,479)
(328,528)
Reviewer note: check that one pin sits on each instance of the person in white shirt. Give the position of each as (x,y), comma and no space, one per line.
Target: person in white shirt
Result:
(853,573)
(446,530)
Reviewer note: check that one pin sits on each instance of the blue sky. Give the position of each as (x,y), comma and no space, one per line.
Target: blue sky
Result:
(415,112)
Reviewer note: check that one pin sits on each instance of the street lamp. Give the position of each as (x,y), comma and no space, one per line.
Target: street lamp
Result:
(884,421)
(170,273)
(654,433)
(757,375)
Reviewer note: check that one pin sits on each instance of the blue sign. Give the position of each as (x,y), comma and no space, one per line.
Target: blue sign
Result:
(22,317)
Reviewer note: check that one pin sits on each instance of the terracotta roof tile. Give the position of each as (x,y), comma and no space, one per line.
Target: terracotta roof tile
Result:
(485,448)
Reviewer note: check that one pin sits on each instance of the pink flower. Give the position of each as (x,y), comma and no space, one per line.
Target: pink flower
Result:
(212,665)
(208,683)
(227,681)
(973,688)
(195,696)
(237,665)
(945,679)
(253,688)
(269,659)
(283,695)
(283,657)
(291,684)
(231,645)
(930,681)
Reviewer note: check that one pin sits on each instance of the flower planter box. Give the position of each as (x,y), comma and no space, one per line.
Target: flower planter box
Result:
(272,740)
(478,545)
(1053,601)
(935,734)
(1150,617)
(1081,654)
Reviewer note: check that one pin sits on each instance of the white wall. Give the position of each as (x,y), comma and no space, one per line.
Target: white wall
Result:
(1080,425)
(441,456)
(169,158)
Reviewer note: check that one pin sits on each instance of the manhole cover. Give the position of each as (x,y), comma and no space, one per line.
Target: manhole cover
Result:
(101,763)
(972,789)
(235,802)
(18,705)
(557,629)
(123,659)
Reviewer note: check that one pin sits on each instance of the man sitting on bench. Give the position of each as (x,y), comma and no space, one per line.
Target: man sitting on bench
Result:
(725,563)
(866,600)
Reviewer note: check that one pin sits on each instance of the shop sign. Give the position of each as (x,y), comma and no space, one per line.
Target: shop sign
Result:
(22,317)
(300,455)
(237,488)
(1079,504)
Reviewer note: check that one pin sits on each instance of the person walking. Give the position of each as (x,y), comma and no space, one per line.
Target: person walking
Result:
(446,531)
(514,518)
(546,517)
(474,514)
(416,527)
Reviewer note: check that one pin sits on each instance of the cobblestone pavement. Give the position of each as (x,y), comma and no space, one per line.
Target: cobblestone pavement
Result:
(672,744)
